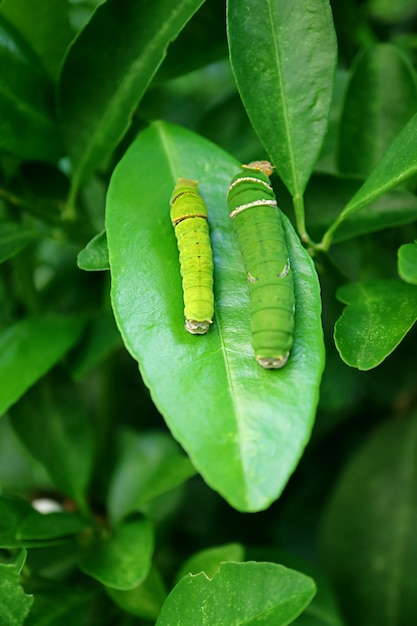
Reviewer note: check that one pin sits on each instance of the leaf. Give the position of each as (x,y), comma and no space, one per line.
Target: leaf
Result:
(94,257)
(44,526)
(14,603)
(380,99)
(368,539)
(145,600)
(149,465)
(27,126)
(239,593)
(44,24)
(13,238)
(224,409)
(13,511)
(123,560)
(209,560)
(283,56)
(108,69)
(407,262)
(397,165)
(378,316)
(53,424)
(29,348)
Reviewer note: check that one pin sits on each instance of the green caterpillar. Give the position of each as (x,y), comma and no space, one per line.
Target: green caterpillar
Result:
(189,218)
(258,226)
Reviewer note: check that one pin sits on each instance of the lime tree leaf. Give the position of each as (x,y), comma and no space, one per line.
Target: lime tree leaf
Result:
(14,603)
(123,560)
(149,465)
(27,126)
(407,262)
(244,427)
(208,561)
(29,348)
(94,257)
(368,530)
(45,25)
(286,87)
(108,69)
(239,593)
(13,238)
(145,600)
(380,99)
(377,317)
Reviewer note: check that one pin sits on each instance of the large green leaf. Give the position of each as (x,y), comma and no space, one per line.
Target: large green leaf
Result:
(27,126)
(14,603)
(108,69)
(283,56)
(29,349)
(381,98)
(368,534)
(244,427)
(378,315)
(239,594)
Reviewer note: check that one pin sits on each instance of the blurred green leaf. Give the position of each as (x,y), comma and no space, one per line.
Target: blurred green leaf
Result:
(13,238)
(44,526)
(27,125)
(145,600)
(407,262)
(225,409)
(107,70)
(368,537)
(149,465)
(52,422)
(29,348)
(377,317)
(14,603)
(272,44)
(389,11)
(44,24)
(209,560)
(13,511)
(239,593)
(95,256)
(380,99)
(58,605)
(123,560)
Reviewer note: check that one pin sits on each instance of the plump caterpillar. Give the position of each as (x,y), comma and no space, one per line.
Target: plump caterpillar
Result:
(258,226)
(189,218)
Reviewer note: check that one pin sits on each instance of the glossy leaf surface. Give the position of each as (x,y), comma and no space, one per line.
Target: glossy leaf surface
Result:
(368,534)
(107,70)
(238,594)
(226,411)
(28,349)
(94,257)
(377,317)
(286,88)
(407,262)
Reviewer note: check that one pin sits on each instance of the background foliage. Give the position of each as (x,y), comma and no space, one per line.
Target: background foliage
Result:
(197,490)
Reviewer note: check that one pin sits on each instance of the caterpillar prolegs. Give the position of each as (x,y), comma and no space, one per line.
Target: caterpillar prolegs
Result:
(189,218)
(258,226)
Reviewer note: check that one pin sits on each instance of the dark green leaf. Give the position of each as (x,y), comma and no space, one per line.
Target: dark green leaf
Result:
(239,593)
(44,526)
(145,600)
(14,603)
(29,349)
(368,535)
(407,262)
(56,605)
(107,70)
(13,511)
(209,560)
(123,560)
(220,404)
(27,127)
(95,256)
(283,56)
(13,238)
(149,465)
(381,98)
(45,25)
(379,314)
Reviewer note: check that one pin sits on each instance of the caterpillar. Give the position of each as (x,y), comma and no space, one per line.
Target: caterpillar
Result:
(189,217)
(260,234)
